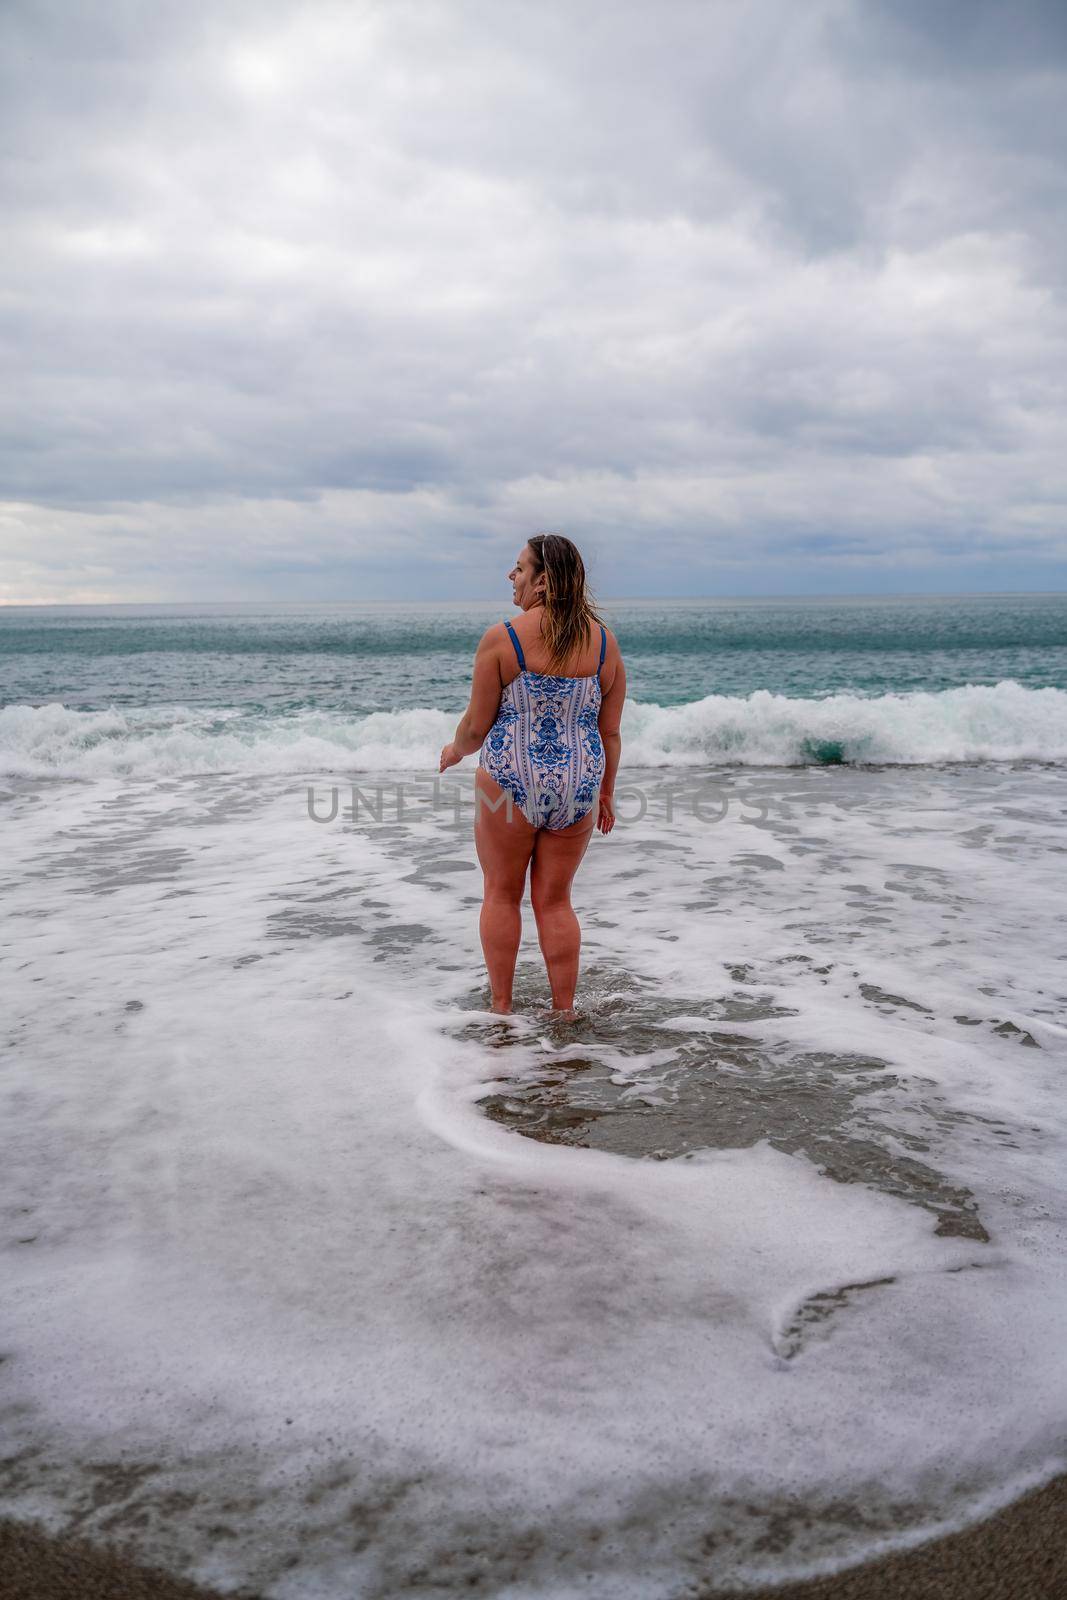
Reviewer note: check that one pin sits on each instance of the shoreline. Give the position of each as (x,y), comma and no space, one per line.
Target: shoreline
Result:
(1019,1553)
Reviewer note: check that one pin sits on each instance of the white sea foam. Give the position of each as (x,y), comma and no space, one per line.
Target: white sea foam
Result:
(264,1246)
(1001,722)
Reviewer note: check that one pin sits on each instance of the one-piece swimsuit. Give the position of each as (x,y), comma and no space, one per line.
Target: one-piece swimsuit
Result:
(545,749)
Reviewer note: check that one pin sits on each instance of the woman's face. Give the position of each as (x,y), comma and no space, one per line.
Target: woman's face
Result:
(527,591)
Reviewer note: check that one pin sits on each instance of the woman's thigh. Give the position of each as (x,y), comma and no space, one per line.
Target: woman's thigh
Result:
(504,844)
(555,859)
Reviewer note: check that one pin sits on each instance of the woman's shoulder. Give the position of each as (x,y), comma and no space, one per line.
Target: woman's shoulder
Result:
(612,657)
(529,626)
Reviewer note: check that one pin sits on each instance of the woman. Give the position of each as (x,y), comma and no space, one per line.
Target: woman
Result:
(546,700)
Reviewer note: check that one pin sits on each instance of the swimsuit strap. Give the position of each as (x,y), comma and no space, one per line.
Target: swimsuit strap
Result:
(515,642)
(522,658)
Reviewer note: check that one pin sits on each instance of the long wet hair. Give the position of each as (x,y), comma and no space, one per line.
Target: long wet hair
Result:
(570,614)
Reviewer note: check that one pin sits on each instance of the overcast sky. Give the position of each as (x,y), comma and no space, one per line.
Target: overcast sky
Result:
(342,301)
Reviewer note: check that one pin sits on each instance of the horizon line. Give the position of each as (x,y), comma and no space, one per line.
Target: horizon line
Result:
(902,594)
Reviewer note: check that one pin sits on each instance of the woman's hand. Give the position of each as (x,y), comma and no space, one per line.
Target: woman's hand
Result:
(606,814)
(449,758)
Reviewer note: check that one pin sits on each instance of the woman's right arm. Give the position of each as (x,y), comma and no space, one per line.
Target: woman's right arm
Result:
(609,722)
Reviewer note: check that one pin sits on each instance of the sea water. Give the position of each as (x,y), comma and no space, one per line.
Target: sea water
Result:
(322,1281)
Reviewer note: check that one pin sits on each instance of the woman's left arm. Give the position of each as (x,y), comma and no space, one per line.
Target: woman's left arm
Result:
(486,690)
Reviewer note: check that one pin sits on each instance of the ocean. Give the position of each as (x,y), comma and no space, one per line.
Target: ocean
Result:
(321,1280)
(167,690)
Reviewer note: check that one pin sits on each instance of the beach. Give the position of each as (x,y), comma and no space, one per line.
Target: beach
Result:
(1018,1552)
(652,418)
(323,1280)
(325,1238)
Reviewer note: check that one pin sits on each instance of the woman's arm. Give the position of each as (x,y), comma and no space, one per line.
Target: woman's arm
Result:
(486,689)
(610,721)
(612,743)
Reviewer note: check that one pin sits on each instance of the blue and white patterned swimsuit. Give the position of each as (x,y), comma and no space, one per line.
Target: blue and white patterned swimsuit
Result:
(545,747)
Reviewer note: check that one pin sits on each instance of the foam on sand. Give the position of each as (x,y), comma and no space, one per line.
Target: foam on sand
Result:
(268,1255)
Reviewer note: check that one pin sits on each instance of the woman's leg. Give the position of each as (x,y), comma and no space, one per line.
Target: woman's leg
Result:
(555,861)
(504,849)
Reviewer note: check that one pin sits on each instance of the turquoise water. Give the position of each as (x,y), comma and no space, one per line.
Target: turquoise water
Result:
(374,657)
(206,687)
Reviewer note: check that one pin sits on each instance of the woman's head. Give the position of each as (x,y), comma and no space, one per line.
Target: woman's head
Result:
(551,573)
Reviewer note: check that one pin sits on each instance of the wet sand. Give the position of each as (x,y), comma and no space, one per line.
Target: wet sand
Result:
(1018,1554)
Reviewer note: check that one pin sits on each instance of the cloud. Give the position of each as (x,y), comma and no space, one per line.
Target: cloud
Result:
(341,299)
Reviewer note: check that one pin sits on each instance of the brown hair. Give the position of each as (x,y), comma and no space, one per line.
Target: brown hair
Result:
(569,611)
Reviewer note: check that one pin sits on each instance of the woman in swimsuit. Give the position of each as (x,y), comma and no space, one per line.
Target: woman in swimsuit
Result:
(545,708)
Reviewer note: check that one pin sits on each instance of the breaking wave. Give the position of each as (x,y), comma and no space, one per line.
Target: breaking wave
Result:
(978,723)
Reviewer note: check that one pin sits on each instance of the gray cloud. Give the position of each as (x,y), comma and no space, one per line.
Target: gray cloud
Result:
(342,299)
